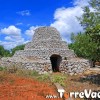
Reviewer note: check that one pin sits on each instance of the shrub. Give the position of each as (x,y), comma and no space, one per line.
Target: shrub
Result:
(58,79)
(1,68)
(33,73)
(43,77)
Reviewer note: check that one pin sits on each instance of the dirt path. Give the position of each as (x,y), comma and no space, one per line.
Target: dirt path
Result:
(18,88)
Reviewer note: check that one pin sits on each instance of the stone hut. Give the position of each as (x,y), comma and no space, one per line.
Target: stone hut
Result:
(45,43)
(48,53)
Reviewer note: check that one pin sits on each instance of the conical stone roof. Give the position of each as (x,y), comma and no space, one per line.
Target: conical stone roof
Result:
(46,41)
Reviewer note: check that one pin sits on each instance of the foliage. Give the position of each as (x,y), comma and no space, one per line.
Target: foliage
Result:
(7,53)
(91,15)
(1,68)
(20,47)
(87,45)
(4,52)
(72,37)
(43,77)
(90,20)
(1,51)
(33,73)
(84,47)
(58,79)
(26,73)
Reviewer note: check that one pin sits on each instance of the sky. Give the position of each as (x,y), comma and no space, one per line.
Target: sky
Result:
(19,19)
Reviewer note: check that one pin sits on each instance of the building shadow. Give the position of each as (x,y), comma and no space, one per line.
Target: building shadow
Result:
(93,79)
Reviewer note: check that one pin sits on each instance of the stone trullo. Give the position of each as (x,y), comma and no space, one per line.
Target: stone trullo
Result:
(47,53)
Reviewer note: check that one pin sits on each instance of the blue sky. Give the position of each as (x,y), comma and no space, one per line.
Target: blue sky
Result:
(19,19)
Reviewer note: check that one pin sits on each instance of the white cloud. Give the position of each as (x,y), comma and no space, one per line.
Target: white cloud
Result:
(66,21)
(10,43)
(81,3)
(24,13)
(8,38)
(31,31)
(12,37)
(7,45)
(11,30)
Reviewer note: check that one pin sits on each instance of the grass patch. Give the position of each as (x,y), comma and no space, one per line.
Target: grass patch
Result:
(58,78)
(26,73)
(43,77)
(33,74)
(55,78)
(1,68)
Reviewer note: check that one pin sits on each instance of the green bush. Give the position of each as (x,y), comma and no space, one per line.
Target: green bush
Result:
(1,68)
(58,79)
(43,77)
(19,47)
(33,73)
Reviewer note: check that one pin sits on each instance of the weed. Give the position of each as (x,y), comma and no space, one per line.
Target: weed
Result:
(22,72)
(43,77)
(58,79)
(33,73)
(12,69)
(26,73)
(1,68)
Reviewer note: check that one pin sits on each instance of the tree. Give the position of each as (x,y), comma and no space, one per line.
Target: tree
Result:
(1,50)
(4,52)
(7,53)
(90,20)
(84,47)
(72,37)
(20,47)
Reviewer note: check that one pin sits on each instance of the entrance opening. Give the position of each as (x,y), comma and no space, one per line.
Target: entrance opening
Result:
(55,62)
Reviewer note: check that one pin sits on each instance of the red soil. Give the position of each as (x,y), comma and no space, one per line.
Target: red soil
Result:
(18,88)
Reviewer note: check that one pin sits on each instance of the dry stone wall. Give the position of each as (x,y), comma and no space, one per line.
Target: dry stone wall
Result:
(44,53)
(73,66)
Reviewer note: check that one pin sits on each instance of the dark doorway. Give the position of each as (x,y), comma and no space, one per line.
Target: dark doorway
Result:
(55,61)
